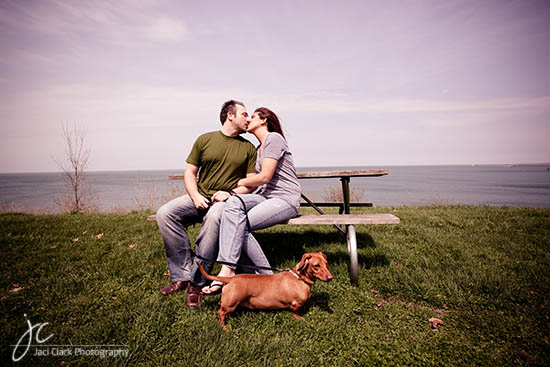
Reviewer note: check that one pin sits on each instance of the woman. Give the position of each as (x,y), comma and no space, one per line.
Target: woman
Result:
(277,202)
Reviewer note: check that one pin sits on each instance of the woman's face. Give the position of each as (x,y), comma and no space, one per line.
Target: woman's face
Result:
(255,122)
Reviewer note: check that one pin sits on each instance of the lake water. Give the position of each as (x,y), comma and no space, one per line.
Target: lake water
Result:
(497,185)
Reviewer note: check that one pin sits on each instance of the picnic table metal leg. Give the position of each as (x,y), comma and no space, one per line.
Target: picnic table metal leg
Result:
(340,228)
(345,192)
(352,248)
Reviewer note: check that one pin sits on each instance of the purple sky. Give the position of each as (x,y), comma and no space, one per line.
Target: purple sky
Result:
(354,82)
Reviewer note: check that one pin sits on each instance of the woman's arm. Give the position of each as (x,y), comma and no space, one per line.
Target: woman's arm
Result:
(268,169)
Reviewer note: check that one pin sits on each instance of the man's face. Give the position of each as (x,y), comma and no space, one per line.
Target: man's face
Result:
(240,120)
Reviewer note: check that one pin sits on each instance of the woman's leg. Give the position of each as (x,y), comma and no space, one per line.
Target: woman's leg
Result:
(234,234)
(266,214)
(233,226)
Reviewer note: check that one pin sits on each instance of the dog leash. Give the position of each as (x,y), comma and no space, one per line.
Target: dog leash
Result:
(233,193)
(254,267)
(241,265)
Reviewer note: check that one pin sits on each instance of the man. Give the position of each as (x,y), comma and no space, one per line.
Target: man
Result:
(219,159)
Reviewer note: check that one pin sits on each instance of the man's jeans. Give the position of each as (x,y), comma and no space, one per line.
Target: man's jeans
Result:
(236,239)
(173,219)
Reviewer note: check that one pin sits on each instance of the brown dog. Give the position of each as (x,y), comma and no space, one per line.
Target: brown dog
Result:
(286,290)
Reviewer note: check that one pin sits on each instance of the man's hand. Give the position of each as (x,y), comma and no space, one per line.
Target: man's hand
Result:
(221,196)
(200,202)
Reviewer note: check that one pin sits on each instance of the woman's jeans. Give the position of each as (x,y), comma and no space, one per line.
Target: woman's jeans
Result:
(173,219)
(235,237)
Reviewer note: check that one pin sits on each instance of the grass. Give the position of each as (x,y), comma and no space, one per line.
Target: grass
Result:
(483,271)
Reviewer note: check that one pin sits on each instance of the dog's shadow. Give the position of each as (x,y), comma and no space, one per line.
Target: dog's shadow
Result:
(319,300)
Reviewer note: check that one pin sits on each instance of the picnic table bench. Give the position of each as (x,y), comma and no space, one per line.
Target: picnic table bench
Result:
(344,221)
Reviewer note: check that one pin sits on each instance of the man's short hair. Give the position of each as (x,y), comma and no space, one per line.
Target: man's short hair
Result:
(229,106)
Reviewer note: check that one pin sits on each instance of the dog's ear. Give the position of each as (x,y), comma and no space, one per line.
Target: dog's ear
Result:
(304,262)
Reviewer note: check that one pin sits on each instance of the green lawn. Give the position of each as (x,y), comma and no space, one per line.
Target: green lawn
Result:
(484,271)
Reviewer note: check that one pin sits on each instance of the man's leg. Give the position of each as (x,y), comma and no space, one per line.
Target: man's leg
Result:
(173,218)
(206,247)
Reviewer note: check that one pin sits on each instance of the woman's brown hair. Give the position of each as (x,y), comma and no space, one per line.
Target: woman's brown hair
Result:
(273,124)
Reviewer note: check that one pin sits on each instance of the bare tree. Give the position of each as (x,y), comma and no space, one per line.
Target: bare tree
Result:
(74,171)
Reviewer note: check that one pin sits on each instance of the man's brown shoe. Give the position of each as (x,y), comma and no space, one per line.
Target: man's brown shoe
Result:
(174,287)
(194,296)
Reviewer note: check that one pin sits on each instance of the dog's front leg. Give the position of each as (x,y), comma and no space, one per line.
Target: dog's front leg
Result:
(221,316)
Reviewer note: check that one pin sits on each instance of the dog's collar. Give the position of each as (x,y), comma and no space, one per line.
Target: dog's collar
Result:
(298,276)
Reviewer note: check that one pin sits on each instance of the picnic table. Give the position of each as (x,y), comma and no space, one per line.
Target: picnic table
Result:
(344,221)
(344,218)
(345,177)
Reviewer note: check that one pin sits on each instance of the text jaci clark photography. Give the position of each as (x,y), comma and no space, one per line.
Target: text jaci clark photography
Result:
(33,343)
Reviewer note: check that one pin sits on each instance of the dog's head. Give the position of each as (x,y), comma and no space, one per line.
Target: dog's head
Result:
(314,265)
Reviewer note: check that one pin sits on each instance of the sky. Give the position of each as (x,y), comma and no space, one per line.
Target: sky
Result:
(355,83)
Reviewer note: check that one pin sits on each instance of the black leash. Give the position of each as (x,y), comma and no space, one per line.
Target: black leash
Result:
(233,193)
(250,230)
(241,265)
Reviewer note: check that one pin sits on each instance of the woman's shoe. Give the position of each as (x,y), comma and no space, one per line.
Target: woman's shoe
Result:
(214,288)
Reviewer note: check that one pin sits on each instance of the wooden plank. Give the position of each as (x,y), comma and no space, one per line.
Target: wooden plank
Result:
(326,174)
(347,173)
(332,204)
(345,219)
(175,177)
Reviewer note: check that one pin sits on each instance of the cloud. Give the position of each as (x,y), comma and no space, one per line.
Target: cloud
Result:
(166,29)
(338,103)
(105,21)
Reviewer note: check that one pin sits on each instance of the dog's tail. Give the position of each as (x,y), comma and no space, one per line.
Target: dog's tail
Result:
(211,277)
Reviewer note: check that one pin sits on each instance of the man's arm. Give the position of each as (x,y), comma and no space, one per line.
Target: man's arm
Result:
(190,182)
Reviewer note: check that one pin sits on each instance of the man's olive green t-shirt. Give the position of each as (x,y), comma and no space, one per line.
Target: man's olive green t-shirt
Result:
(222,161)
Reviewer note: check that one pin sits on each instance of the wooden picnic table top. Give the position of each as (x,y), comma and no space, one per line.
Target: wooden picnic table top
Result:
(347,173)
(326,174)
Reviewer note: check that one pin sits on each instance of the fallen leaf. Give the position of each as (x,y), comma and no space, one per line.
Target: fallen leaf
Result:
(99,236)
(15,284)
(43,308)
(76,240)
(380,304)
(166,274)
(399,265)
(441,312)
(15,290)
(374,291)
(3,298)
(54,246)
(435,323)
(133,245)
(526,356)
(9,234)
(83,233)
